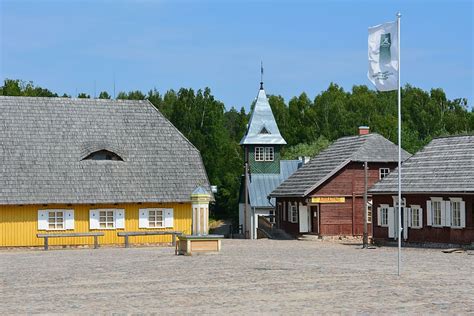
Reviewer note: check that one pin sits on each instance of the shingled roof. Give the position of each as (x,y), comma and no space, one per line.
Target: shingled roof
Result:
(445,165)
(371,148)
(43,142)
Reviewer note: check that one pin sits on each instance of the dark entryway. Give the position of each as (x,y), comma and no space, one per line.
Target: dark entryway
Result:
(315,219)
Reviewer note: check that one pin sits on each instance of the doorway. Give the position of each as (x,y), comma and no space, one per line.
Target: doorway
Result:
(315,219)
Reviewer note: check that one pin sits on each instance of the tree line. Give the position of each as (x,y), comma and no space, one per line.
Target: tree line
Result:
(308,125)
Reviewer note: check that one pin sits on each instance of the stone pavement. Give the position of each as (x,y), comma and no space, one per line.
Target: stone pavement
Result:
(247,277)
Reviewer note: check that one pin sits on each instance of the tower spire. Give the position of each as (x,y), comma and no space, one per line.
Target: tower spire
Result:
(261,75)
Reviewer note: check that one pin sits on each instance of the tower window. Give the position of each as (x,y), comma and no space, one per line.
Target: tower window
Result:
(259,153)
(103,155)
(264,131)
(269,154)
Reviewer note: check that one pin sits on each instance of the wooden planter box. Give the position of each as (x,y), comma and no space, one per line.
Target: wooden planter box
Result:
(187,245)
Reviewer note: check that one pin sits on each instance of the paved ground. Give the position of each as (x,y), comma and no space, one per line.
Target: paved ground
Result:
(264,276)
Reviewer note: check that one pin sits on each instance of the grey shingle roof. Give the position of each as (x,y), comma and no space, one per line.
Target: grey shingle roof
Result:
(371,148)
(42,142)
(262,119)
(262,184)
(445,165)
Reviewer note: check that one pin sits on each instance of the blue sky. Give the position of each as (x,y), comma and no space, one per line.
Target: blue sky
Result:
(72,46)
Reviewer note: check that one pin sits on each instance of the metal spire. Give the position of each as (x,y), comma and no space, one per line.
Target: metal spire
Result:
(261,75)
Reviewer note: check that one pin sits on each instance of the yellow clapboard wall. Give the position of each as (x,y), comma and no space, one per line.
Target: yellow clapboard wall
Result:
(19,224)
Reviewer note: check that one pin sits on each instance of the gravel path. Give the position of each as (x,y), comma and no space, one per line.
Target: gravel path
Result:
(263,276)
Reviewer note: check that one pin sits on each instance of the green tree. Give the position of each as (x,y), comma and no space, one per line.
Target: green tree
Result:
(83,95)
(104,95)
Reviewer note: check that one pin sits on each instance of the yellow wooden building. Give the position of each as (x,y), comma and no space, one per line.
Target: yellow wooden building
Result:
(87,165)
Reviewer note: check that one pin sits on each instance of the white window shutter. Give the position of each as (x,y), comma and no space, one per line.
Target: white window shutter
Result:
(379,216)
(391,222)
(406,221)
(429,215)
(119,218)
(420,214)
(69,219)
(168,213)
(447,213)
(42,220)
(94,219)
(463,214)
(143,218)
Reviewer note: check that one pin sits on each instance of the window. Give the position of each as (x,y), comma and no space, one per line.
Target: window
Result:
(383,172)
(163,217)
(103,155)
(264,131)
(455,212)
(384,216)
(415,220)
(369,211)
(436,211)
(264,154)
(106,219)
(271,218)
(259,154)
(293,213)
(55,220)
(269,154)
(155,218)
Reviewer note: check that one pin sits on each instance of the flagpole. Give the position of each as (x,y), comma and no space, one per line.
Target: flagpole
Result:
(399,154)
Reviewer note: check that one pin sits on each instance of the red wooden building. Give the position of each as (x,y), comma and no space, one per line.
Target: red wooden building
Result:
(437,195)
(325,196)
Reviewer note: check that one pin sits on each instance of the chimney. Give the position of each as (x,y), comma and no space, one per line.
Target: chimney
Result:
(364,130)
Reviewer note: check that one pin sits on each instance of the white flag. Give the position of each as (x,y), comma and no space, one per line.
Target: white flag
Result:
(383,56)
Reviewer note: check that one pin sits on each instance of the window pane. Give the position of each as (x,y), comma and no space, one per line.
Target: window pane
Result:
(110,225)
(102,225)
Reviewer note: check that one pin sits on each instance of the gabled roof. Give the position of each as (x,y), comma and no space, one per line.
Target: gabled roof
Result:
(371,148)
(43,142)
(445,165)
(262,128)
(262,184)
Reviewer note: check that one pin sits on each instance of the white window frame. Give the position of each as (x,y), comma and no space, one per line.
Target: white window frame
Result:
(113,222)
(384,207)
(155,221)
(383,172)
(67,219)
(369,211)
(259,153)
(293,213)
(269,154)
(455,201)
(416,209)
(271,217)
(56,217)
(441,203)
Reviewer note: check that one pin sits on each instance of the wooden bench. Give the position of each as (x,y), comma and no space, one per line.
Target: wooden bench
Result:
(61,235)
(149,233)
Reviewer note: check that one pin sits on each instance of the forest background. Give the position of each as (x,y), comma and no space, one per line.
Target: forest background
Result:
(308,125)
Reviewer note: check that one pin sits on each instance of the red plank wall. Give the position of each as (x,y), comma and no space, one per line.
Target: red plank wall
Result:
(429,234)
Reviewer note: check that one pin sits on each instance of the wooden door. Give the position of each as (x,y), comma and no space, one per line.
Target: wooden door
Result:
(315,219)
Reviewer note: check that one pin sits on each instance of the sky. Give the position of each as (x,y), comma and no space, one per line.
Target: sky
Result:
(86,46)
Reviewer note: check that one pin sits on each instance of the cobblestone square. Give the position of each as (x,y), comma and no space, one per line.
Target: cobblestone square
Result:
(247,277)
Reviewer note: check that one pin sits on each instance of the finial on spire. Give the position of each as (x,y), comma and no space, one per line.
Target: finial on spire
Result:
(261,75)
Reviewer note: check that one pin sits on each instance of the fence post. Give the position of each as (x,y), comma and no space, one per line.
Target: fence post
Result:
(45,243)
(96,242)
